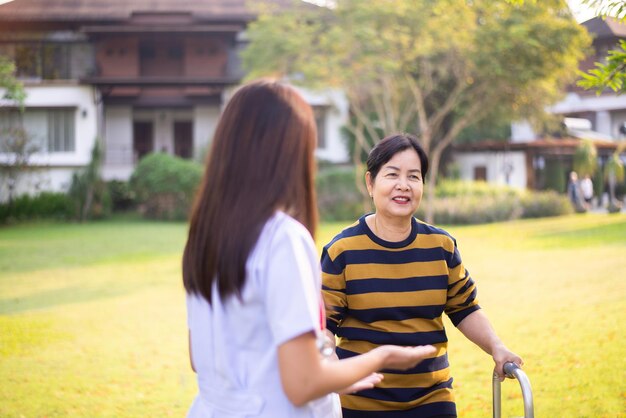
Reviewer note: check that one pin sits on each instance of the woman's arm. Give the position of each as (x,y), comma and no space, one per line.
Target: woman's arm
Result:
(477,328)
(306,376)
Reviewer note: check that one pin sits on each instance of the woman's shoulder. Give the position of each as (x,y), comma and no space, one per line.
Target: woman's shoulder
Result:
(426,229)
(281,226)
(351,231)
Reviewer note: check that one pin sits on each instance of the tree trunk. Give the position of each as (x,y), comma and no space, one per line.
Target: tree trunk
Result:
(433,169)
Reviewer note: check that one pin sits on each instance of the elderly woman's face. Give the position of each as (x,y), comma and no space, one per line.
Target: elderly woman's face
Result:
(398,187)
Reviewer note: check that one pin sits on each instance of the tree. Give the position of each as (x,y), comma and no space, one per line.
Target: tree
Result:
(611,73)
(15,142)
(585,158)
(87,190)
(614,173)
(427,67)
(13,89)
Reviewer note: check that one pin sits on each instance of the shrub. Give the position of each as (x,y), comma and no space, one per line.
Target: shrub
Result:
(338,198)
(544,204)
(89,193)
(47,205)
(474,209)
(456,188)
(463,202)
(122,195)
(164,186)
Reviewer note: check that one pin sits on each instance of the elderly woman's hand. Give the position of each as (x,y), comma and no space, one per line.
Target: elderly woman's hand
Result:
(502,355)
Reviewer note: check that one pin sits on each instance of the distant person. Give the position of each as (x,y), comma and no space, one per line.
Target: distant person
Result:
(574,193)
(252,274)
(586,188)
(389,278)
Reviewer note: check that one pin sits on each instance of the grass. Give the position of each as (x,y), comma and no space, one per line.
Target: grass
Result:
(92,317)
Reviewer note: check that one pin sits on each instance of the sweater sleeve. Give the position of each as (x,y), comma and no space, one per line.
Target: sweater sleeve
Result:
(461,299)
(333,290)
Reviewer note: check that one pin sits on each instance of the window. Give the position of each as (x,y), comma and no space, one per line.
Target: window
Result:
(51,129)
(480,173)
(27,61)
(161,59)
(48,61)
(60,130)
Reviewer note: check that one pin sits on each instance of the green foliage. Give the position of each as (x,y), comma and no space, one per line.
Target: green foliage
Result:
(614,167)
(614,173)
(122,195)
(555,176)
(88,191)
(616,8)
(46,205)
(465,202)
(14,89)
(473,209)
(165,185)
(611,74)
(17,146)
(544,204)
(420,68)
(585,158)
(456,188)
(337,196)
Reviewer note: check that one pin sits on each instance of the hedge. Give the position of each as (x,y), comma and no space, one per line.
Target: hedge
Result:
(165,185)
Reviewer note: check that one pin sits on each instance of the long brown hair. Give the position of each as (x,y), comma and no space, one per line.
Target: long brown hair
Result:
(261,161)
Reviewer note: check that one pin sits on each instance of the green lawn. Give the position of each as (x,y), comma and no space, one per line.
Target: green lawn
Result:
(92,317)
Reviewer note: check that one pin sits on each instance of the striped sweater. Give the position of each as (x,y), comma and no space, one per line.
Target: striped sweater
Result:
(378,292)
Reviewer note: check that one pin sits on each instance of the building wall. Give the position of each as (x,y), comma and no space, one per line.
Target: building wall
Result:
(60,165)
(205,120)
(497,164)
(118,57)
(118,143)
(336,107)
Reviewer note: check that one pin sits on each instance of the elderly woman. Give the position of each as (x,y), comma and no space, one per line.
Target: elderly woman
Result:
(388,278)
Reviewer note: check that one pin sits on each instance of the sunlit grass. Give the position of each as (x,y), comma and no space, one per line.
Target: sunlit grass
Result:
(92,317)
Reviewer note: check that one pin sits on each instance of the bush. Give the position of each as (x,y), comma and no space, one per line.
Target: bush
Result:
(474,209)
(122,195)
(544,204)
(47,205)
(463,202)
(165,185)
(456,188)
(338,198)
(89,193)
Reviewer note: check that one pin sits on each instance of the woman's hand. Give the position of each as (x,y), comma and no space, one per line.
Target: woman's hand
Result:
(502,355)
(367,382)
(402,358)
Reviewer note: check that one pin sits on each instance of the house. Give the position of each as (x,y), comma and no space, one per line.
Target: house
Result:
(141,75)
(532,161)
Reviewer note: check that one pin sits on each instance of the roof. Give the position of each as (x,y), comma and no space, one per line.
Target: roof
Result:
(608,27)
(538,144)
(119,10)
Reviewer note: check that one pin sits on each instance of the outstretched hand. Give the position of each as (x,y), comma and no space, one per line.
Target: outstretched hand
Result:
(402,358)
(366,383)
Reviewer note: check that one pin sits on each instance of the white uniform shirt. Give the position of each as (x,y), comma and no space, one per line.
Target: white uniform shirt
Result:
(234,343)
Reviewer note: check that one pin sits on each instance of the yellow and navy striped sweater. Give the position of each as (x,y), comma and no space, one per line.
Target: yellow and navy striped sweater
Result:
(378,292)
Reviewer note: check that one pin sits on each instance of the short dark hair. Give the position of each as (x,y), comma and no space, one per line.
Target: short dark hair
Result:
(261,160)
(390,146)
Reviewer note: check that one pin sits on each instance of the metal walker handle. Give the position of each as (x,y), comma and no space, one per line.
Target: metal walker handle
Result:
(512,370)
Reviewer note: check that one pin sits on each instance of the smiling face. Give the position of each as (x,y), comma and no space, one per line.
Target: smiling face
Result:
(397,188)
